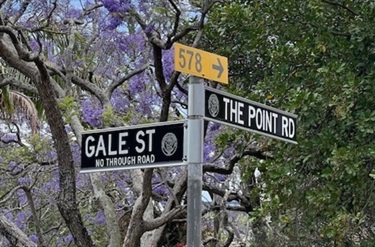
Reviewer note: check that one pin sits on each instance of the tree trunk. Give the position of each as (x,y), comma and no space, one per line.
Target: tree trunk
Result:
(113,230)
(67,202)
(14,235)
(142,186)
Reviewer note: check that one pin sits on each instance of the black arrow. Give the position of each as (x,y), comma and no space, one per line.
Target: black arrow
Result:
(219,67)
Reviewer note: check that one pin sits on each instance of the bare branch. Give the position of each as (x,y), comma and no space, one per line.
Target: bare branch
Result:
(88,10)
(155,223)
(147,187)
(176,21)
(21,11)
(179,189)
(36,219)
(231,197)
(22,53)
(119,82)
(92,88)
(152,36)
(229,169)
(340,6)
(24,86)
(347,35)
(2,2)
(183,90)
(47,18)
(230,237)
(15,236)
(182,34)
(8,194)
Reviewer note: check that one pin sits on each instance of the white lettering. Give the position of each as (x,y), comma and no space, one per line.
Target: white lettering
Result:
(110,151)
(100,147)
(140,141)
(99,163)
(122,142)
(268,124)
(292,128)
(251,114)
(226,101)
(240,113)
(284,126)
(140,134)
(233,110)
(275,116)
(150,132)
(89,150)
(258,119)
(121,161)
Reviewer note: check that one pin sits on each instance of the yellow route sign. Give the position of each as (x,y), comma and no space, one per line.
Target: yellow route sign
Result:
(200,63)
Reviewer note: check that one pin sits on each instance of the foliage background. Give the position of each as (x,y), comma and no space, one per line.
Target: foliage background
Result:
(110,63)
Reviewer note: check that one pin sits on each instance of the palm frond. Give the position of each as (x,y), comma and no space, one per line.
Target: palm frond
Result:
(20,107)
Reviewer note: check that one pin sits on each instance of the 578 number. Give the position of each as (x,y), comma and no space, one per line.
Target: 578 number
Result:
(190,58)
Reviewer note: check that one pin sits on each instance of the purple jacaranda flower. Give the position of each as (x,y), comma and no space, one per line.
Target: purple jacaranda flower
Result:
(228,153)
(92,112)
(113,23)
(82,180)
(168,64)
(150,28)
(208,151)
(73,13)
(8,214)
(21,218)
(76,151)
(119,101)
(220,177)
(68,239)
(34,238)
(117,5)
(213,126)
(161,189)
(24,180)
(22,197)
(100,218)
(7,137)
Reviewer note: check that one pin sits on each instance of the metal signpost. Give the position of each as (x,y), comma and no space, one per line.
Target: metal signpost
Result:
(248,115)
(195,160)
(213,67)
(163,144)
(223,108)
(140,146)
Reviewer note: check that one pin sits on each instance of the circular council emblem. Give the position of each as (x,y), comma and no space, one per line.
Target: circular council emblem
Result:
(213,105)
(169,144)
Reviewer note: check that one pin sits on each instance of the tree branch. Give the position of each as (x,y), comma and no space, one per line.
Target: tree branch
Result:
(35,216)
(176,21)
(21,11)
(235,158)
(233,196)
(341,6)
(155,223)
(9,194)
(15,236)
(24,86)
(119,82)
(22,53)
(92,88)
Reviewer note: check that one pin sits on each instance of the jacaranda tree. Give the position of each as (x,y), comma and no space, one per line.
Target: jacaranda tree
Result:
(97,64)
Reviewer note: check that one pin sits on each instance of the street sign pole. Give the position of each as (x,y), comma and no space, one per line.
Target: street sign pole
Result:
(195,160)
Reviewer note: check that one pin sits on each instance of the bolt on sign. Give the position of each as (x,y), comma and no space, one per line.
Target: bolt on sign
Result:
(140,146)
(248,115)
(200,63)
